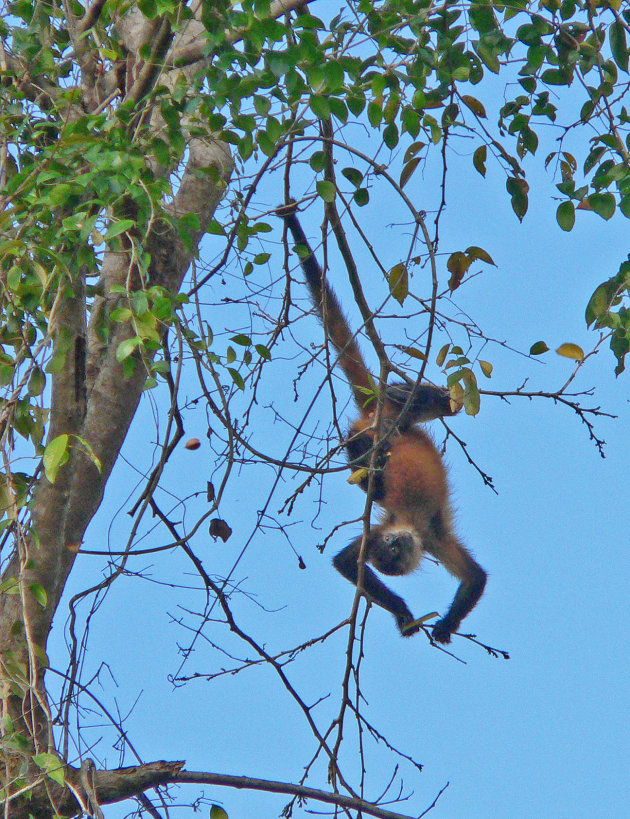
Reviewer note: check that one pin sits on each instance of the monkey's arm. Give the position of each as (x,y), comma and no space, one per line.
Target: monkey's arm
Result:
(346,564)
(466,597)
(458,560)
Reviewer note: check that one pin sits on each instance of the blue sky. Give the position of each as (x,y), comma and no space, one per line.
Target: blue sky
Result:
(541,735)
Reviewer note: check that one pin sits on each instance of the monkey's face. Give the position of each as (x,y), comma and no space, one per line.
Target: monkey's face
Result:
(395,552)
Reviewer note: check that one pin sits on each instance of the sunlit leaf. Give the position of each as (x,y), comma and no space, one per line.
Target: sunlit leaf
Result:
(441,356)
(473,252)
(486,368)
(52,766)
(569,350)
(127,347)
(55,455)
(39,593)
(413,352)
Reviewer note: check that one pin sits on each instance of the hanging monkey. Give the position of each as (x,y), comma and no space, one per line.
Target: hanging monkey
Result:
(409,482)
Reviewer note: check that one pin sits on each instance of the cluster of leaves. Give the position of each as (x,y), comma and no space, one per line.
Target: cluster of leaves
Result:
(270,84)
(425,59)
(607,309)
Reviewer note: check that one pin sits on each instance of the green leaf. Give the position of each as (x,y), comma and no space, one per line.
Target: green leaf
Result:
(407,171)
(89,451)
(599,303)
(52,766)
(318,161)
(565,215)
(472,399)
(326,190)
(237,378)
(161,151)
(117,228)
(618,46)
(375,114)
(390,135)
(556,76)
(538,348)
(39,593)
(55,455)
(603,204)
(320,107)
(217,812)
(593,158)
(10,585)
(353,175)
(413,150)
(479,159)
(36,382)
(261,105)
(121,314)
(518,190)
(475,105)
(126,348)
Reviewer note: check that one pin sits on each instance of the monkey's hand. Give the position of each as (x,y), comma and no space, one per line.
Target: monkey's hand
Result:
(414,626)
(287,210)
(443,629)
(407,625)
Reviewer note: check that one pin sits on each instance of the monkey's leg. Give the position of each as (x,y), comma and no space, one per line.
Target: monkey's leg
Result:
(456,558)
(346,564)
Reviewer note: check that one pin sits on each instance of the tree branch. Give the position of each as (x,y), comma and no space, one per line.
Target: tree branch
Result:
(115,785)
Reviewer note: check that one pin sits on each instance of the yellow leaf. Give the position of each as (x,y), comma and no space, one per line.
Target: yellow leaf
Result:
(421,620)
(569,350)
(412,352)
(441,356)
(398,282)
(486,368)
(457,265)
(358,475)
(456,397)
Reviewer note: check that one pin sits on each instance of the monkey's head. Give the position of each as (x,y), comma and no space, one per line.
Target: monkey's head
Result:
(395,552)
(427,401)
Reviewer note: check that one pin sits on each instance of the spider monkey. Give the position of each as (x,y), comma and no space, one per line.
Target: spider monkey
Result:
(409,483)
